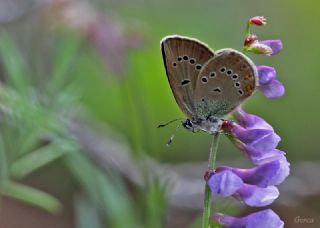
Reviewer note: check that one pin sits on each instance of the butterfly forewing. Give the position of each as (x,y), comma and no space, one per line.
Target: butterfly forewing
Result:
(183,59)
(224,82)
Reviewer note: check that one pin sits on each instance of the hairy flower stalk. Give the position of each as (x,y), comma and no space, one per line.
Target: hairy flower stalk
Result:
(255,186)
(207,192)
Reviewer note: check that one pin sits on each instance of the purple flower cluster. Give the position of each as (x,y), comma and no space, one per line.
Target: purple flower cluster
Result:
(254,186)
(257,139)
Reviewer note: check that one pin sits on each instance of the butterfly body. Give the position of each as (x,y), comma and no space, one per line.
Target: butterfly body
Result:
(207,85)
(210,125)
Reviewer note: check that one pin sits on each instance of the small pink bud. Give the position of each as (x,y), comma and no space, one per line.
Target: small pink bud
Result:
(258,20)
(227,125)
(249,40)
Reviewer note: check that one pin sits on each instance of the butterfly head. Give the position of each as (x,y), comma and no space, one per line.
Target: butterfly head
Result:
(210,125)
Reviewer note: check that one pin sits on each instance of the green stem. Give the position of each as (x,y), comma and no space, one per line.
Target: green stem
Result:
(247,34)
(248,29)
(207,191)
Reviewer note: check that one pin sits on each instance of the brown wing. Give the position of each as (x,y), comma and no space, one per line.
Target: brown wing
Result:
(183,58)
(224,82)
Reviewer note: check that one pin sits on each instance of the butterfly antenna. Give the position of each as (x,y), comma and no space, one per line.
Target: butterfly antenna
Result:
(172,121)
(172,136)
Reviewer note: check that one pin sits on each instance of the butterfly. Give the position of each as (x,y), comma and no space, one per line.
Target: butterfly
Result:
(207,85)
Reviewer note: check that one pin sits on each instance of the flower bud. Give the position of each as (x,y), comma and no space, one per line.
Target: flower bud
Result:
(249,40)
(258,20)
(259,48)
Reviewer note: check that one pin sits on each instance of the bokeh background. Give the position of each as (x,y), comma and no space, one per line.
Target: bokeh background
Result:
(83,89)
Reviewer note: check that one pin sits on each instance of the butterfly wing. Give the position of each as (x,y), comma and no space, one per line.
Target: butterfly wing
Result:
(183,59)
(224,83)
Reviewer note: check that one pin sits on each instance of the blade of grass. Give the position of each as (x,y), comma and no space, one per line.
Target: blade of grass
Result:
(103,191)
(30,196)
(14,64)
(35,160)
(66,55)
(86,213)
(4,174)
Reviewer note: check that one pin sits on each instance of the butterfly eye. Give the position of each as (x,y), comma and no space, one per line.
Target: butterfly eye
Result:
(229,72)
(192,61)
(204,79)
(240,92)
(237,84)
(235,76)
(198,67)
(185,57)
(213,74)
(222,69)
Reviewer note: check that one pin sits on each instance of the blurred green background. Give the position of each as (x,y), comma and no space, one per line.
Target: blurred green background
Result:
(99,63)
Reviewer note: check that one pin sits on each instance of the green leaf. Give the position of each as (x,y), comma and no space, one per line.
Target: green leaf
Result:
(30,196)
(35,160)
(14,64)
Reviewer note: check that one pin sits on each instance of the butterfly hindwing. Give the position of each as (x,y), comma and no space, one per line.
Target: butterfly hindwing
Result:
(224,83)
(183,59)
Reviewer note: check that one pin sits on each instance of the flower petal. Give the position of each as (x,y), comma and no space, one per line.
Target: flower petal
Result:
(250,121)
(275,45)
(256,196)
(262,219)
(260,139)
(224,183)
(272,90)
(259,157)
(264,175)
(266,74)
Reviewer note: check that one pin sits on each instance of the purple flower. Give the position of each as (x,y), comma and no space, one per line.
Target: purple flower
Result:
(260,156)
(259,48)
(250,121)
(266,174)
(224,183)
(266,74)
(268,85)
(267,47)
(227,183)
(255,196)
(262,219)
(259,139)
(275,45)
(272,90)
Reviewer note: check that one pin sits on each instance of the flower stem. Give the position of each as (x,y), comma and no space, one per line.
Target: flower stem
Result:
(247,34)
(207,191)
